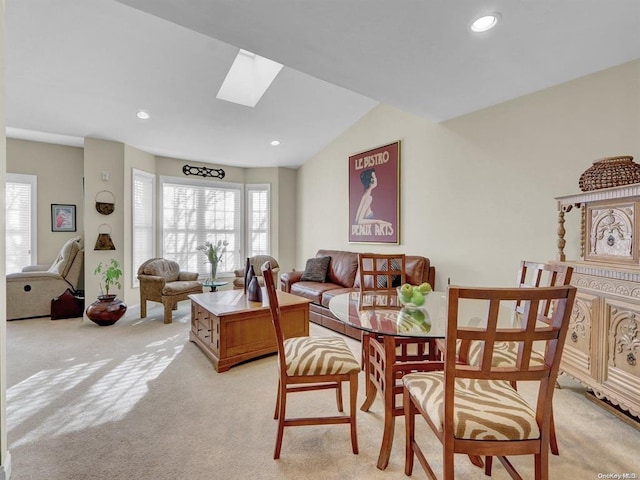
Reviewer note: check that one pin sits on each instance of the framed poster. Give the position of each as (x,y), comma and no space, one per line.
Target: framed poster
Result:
(63,218)
(374,195)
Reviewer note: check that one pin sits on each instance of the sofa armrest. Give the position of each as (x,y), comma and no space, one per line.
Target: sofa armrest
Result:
(36,268)
(239,273)
(187,276)
(289,278)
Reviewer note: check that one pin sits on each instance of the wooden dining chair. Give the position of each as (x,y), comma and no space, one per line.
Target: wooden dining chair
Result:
(380,274)
(474,409)
(311,363)
(530,275)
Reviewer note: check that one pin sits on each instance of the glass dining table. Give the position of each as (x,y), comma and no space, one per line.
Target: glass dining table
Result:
(397,340)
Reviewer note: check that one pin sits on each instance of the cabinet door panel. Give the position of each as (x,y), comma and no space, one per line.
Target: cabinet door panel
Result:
(577,357)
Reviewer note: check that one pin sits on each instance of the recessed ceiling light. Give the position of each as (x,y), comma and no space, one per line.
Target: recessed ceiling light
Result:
(275,143)
(142,115)
(486,22)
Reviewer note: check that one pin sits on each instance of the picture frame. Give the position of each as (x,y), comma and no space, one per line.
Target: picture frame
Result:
(374,195)
(63,217)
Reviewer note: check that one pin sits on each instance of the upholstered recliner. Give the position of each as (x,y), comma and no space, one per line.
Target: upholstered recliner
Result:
(29,292)
(162,281)
(257,261)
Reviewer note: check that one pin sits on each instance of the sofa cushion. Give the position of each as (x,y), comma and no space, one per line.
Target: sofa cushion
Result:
(316,269)
(342,268)
(67,254)
(329,294)
(312,290)
(417,269)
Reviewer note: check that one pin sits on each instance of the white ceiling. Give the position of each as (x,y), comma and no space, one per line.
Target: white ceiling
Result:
(78,69)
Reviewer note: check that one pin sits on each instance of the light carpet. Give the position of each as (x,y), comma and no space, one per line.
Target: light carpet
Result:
(137,400)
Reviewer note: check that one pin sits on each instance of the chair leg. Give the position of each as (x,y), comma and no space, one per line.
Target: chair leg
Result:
(168,308)
(353,395)
(553,441)
(282,404)
(339,396)
(275,414)
(488,462)
(143,308)
(410,426)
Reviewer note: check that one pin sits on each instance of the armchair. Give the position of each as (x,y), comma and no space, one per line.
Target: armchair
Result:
(29,292)
(162,281)
(257,261)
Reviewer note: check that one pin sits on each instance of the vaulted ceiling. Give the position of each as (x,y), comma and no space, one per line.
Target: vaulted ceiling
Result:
(78,69)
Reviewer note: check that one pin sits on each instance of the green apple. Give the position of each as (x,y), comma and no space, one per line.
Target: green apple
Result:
(424,287)
(406,291)
(417,298)
(421,319)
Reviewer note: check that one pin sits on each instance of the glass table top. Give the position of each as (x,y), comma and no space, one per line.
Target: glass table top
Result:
(380,312)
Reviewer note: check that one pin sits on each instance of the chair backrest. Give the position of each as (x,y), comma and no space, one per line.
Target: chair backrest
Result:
(274,307)
(534,274)
(497,304)
(160,267)
(258,261)
(381,272)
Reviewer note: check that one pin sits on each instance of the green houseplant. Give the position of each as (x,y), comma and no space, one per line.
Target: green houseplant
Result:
(108,309)
(110,274)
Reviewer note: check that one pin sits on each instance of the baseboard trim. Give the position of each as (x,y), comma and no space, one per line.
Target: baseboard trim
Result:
(5,470)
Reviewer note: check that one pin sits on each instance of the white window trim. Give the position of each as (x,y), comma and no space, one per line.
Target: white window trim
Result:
(260,187)
(135,283)
(33,181)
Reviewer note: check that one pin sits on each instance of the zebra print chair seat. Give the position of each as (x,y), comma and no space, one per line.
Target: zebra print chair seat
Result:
(505,414)
(474,409)
(311,363)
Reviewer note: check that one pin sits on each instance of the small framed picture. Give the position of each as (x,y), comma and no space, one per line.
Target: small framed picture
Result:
(63,218)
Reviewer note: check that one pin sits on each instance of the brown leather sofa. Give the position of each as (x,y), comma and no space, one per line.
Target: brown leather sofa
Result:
(342,277)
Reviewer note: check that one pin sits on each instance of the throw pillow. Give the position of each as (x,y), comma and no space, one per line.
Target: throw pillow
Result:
(316,269)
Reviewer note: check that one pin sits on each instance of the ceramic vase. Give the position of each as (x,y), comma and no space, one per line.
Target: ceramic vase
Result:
(247,269)
(107,310)
(247,280)
(254,292)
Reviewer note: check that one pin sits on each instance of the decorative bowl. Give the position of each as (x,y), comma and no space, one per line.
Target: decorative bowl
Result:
(407,303)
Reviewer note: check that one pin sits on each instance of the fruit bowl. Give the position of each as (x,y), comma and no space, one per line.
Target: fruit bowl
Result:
(412,297)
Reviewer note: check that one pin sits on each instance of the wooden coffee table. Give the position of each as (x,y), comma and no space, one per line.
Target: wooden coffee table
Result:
(230,329)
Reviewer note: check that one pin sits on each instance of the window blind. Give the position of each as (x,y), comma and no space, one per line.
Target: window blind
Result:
(21,215)
(258,224)
(194,212)
(143,220)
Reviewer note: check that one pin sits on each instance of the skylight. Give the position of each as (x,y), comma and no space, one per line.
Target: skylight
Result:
(248,79)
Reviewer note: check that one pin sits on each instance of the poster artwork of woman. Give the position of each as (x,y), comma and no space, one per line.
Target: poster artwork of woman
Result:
(364,214)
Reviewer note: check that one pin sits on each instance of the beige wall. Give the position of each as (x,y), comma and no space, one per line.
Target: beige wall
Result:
(5,458)
(60,170)
(146,162)
(99,156)
(477,192)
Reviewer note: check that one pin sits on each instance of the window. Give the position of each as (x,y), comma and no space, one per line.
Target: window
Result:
(258,220)
(21,216)
(143,229)
(195,211)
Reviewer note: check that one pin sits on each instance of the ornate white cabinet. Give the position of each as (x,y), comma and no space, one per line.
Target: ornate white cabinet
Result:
(602,350)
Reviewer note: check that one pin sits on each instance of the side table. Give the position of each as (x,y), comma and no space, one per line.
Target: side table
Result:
(213,285)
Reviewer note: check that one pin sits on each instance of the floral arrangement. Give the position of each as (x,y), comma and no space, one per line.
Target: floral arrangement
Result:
(214,251)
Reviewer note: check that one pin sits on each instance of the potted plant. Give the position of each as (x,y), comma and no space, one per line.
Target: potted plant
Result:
(110,274)
(108,309)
